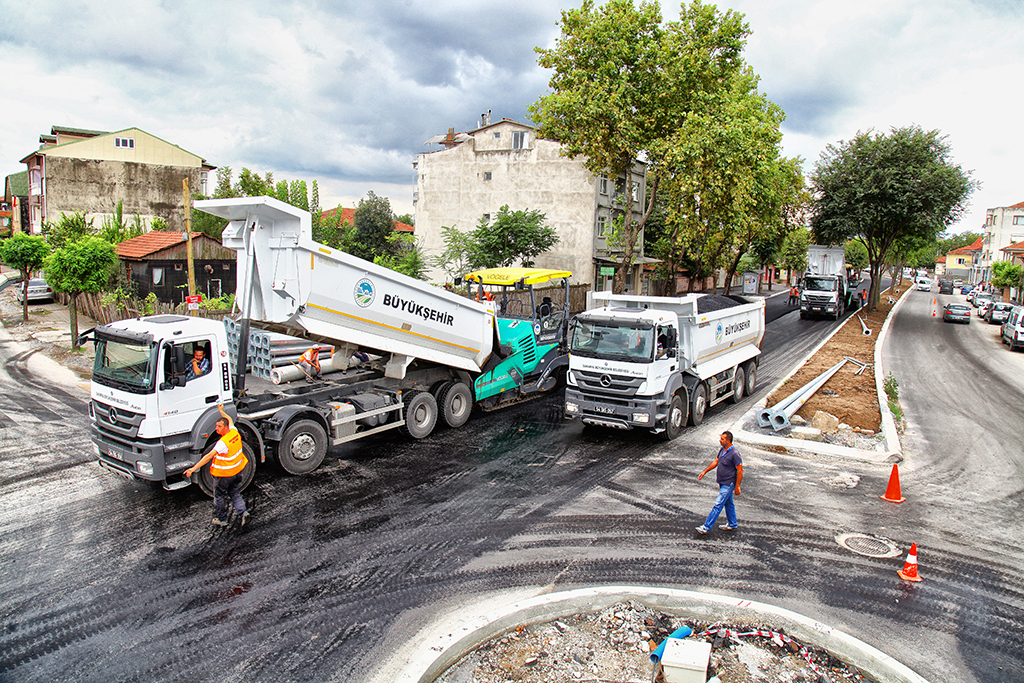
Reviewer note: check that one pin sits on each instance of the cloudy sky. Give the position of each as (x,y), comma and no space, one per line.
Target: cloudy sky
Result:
(347,92)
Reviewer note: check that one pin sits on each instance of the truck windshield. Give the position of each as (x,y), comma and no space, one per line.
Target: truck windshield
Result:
(125,365)
(821,284)
(605,339)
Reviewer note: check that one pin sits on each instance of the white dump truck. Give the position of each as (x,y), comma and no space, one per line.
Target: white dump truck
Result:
(826,288)
(659,362)
(434,355)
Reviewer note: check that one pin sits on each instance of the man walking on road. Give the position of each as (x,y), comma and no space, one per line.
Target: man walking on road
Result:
(228,462)
(729,475)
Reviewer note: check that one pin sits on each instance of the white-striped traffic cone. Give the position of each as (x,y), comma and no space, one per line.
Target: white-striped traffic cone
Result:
(909,571)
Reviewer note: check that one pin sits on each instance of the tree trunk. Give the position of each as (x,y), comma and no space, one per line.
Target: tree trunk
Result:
(73,314)
(24,295)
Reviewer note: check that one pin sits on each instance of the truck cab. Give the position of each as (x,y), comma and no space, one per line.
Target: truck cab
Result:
(153,415)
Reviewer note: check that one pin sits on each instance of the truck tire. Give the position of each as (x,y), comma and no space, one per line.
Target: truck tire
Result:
(751,378)
(302,447)
(456,404)
(739,385)
(698,404)
(676,419)
(420,415)
(207,482)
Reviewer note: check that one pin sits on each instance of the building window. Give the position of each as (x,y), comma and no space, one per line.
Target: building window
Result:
(128,143)
(636,192)
(487,175)
(158,276)
(497,134)
(518,139)
(226,266)
(1018,220)
(602,225)
(178,266)
(204,178)
(487,218)
(603,185)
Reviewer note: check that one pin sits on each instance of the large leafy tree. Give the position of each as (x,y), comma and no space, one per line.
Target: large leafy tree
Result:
(69,228)
(622,83)
(886,190)
(511,237)
(793,253)
(81,267)
(374,223)
(26,253)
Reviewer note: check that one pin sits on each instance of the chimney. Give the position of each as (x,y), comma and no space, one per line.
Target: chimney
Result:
(485,119)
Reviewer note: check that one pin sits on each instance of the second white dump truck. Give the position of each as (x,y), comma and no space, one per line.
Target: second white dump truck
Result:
(434,355)
(647,362)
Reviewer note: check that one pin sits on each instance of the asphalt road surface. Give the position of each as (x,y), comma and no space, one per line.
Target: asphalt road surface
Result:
(107,580)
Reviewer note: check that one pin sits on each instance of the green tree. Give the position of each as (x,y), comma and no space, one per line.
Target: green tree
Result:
(314,207)
(26,253)
(406,257)
(457,257)
(1008,274)
(115,230)
(406,218)
(793,253)
(512,236)
(885,189)
(81,267)
(856,255)
(623,83)
(373,224)
(224,187)
(70,228)
(297,196)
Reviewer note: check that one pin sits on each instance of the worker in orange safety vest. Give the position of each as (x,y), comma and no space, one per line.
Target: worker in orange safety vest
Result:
(309,361)
(229,461)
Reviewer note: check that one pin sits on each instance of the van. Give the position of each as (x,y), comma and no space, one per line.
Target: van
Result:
(1012,331)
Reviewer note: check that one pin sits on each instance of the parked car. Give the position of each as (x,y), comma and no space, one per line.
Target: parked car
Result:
(945,287)
(966,288)
(978,299)
(924,284)
(958,283)
(983,305)
(1012,331)
(956,313)
(998,312)
(38,290)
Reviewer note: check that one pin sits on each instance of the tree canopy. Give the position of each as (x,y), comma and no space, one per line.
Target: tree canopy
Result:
(510,238)
(887,189)
(26,253)
(80,267)
(623,83)
(374,224)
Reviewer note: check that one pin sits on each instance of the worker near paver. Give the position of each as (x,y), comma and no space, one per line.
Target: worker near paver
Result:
(794,295)
(228,463)
(729,475)
(309,361)
(864,297)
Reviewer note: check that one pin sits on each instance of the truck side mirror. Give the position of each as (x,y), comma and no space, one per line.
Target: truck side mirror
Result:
(176,356)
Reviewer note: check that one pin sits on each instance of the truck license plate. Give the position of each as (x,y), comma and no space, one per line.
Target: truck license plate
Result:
(115,453)
(604,409)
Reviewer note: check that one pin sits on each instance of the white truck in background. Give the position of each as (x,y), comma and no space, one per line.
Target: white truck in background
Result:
(648,362)
(435,356)
(826,288)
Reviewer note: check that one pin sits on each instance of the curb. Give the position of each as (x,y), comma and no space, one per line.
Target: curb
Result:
(436,653)
(893,450)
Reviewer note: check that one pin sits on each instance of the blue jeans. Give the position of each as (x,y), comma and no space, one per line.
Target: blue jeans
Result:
(724,500)
(227,487)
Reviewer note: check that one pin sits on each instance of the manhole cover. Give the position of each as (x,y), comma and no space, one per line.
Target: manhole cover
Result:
(862,544)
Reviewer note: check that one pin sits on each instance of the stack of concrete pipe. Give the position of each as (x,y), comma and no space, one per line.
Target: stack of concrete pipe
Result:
(271,350)
(778,416)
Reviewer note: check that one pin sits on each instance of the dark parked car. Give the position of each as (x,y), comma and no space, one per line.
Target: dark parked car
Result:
(945,287)
(998,313)
(956,313)
(38,290)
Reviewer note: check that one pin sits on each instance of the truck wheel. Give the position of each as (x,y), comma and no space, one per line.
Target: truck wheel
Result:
(302,447)
(420,415)
(698,404)
(676,418)
(751,378)
(456,403)
(207,482)
(739,385)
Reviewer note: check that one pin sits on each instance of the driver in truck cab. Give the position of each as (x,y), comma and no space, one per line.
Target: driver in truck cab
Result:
(199,365)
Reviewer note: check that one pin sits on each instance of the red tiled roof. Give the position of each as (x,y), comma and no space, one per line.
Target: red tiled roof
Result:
(350,216)
(974,247)
(1019,246)
(142,246)
(941,259)
(1018,206)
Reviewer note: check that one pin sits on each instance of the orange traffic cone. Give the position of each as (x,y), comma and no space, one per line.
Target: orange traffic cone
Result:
(892,491)
(935,308)
(909,571)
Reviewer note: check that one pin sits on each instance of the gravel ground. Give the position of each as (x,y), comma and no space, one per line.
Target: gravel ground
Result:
(614,646)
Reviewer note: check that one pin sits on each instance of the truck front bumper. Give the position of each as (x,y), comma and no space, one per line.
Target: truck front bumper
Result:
(619,413)
(140,460)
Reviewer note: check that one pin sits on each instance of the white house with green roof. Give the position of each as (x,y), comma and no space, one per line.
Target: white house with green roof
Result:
(79,170)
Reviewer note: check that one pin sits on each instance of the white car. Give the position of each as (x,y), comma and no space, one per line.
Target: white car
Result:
(924,284)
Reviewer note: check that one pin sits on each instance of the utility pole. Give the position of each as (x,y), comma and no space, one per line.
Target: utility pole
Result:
(188,239)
